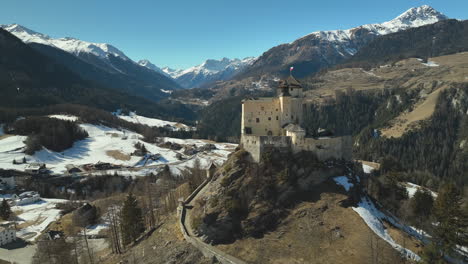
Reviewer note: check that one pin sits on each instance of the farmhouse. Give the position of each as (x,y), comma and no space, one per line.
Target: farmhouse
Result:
(25,198)
(275,122)
(7,235)
(36,168)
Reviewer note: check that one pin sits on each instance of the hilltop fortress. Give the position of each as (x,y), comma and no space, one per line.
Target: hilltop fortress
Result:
(275,123)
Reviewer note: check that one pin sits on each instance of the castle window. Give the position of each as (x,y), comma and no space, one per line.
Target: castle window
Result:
(276,109)
(269,119)
(277,118)
(292,117)
(263,108)
(257,120)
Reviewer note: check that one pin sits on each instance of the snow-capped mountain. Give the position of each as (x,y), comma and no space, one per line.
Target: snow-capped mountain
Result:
(99,62)
(414,17)
(325,48)
(209,71)
(151,66)
(174,73)
(68,44)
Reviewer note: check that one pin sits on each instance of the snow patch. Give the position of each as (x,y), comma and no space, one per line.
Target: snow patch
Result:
(431,64)
(412,188)
(153,122)
(65,117)
(367,169)
(343,181)
(373,218)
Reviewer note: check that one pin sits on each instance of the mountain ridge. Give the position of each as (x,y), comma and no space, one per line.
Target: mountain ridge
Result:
(98,62)
(209,71)
(324,48)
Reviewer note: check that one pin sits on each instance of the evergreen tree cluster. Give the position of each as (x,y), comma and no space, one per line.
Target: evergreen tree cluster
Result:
(437,147)
(131,223)
(5,210)
(52,133)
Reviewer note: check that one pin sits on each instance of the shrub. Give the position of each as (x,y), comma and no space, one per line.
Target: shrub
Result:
(225,181)
(196,222)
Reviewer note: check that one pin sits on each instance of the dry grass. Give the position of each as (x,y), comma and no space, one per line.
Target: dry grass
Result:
(118,155)
(309,235)
(36,221)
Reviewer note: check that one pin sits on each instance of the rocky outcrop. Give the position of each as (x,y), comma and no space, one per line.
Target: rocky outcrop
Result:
(248,199)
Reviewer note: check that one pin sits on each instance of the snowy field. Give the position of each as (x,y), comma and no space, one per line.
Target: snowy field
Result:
(103,141)
(134,118)
(34,218)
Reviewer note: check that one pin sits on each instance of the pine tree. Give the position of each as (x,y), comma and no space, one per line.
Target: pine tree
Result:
(5,210)
(452,222)
(421,206)
(131,223)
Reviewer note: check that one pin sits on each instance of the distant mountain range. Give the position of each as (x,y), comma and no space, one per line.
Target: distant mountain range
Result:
(208,72)
(99,62)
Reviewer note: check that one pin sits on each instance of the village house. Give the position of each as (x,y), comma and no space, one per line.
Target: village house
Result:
(36,168)
(7,235)
(275,122)
(25,198)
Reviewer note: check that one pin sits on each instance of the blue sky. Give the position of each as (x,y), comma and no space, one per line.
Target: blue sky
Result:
(180,34)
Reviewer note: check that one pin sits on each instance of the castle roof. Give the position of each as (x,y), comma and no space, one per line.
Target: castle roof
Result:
(290,82)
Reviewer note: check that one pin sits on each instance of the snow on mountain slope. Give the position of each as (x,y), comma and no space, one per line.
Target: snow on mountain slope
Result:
(322,49)
(413,17)
(172,72)
(68,44)
(212,70)
(151,66)
(102,142)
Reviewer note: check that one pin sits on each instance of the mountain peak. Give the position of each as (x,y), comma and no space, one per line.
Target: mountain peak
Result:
(420,14)
(68,44)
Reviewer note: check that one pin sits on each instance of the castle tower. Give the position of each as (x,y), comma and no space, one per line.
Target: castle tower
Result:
(290,93)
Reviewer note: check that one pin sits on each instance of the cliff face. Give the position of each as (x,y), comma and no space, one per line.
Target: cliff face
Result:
(247,199)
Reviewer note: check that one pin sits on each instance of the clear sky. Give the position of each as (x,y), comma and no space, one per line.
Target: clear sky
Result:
(183,33)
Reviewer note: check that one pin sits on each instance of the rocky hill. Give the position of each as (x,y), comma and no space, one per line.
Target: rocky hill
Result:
(247,200)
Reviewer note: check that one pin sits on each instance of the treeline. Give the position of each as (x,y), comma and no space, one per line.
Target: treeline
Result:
(438,147)
(221,120)
(52,133)
(95,116)
(353,111)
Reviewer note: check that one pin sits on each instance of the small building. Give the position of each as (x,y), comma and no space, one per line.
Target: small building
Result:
(72,169)
(25,198)
(36,168)
(7,235)
(210,170)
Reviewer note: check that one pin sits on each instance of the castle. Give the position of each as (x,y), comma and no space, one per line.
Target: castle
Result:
(275,122)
